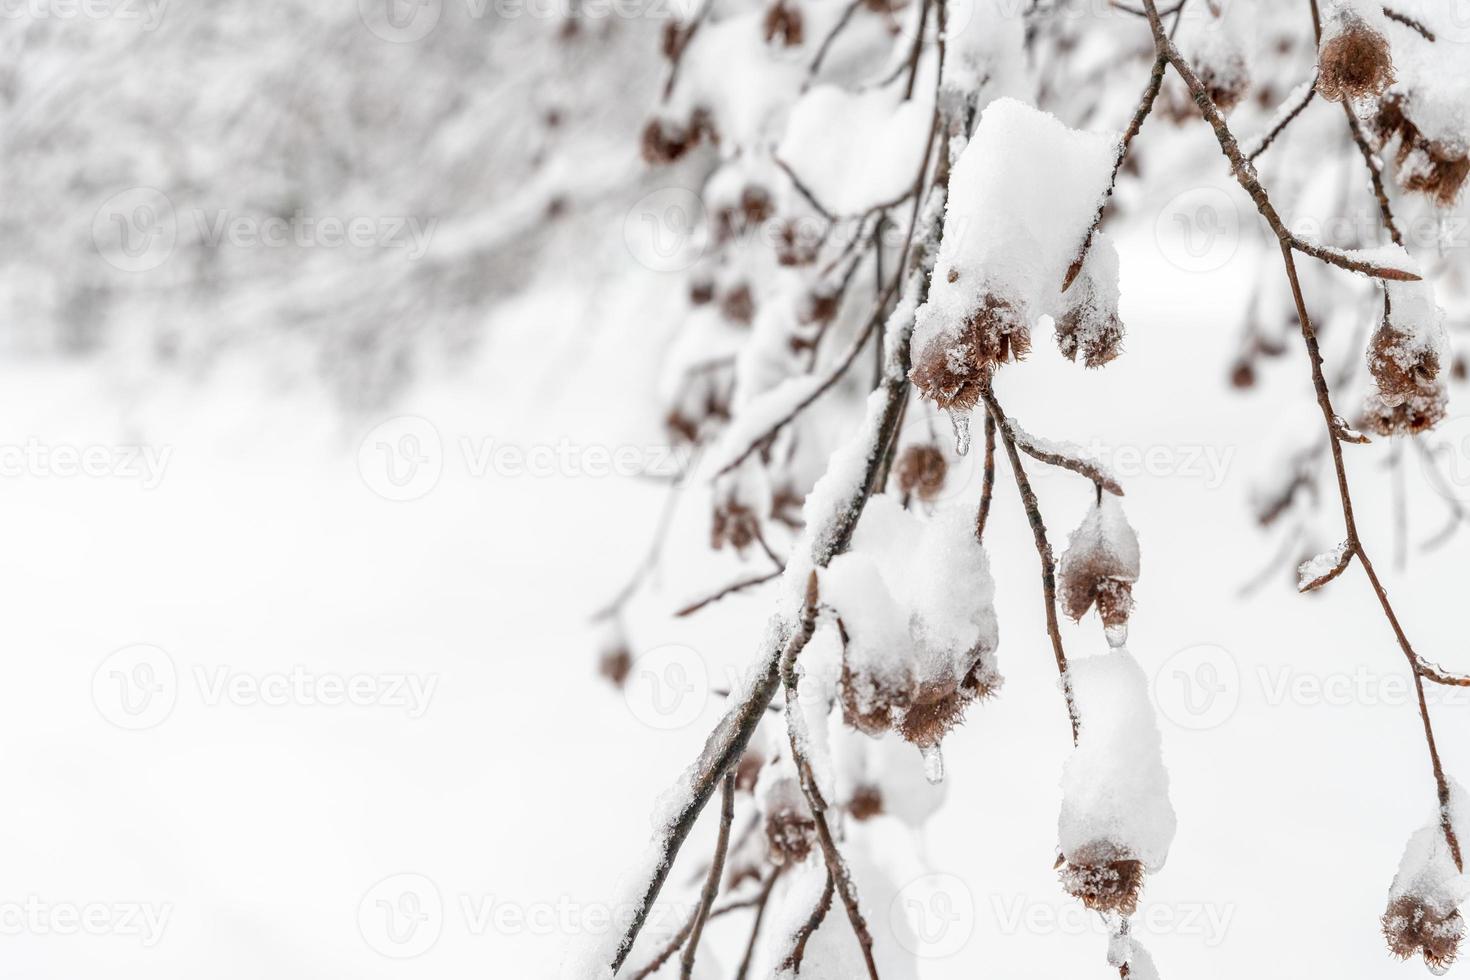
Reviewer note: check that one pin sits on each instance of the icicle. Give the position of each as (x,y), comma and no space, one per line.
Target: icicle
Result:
(1117,635)
(1437,967)
(961,421)
(933,763)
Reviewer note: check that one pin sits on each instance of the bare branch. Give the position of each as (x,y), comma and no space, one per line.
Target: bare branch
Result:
(712,882)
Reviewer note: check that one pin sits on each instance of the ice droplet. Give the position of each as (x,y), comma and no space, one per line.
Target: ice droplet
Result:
(1437,967)
(961,422)
(933,763)
(1117,635)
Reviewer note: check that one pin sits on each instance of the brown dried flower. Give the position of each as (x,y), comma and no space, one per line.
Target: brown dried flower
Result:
(1435,169)
(735,525)
(1414,927)
(1398,367)
(1104,878)
(866,802)
(783,22)
(923,713)
(1354,62)
(921,470)
(1100,566)
(949,372)
(665,141)
(1420,411)
(738,304)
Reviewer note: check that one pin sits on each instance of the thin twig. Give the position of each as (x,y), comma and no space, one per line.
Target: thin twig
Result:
(1409,22)
(1265,141)
(1354,543)
(1043,549)
(712,882)
(1245,174)
(797,735)
(740,586)
(814,921)
(1145,106)
(755,927)
(987,479)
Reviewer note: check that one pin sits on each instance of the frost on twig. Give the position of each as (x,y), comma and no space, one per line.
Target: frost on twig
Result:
(1320,569)
(1067,455)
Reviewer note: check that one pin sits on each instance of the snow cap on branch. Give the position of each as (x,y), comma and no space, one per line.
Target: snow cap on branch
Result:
(1116,821)
(915,599)
(1023,197)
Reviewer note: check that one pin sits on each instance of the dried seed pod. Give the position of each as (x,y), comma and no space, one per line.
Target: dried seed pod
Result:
(1100,565)
(921,471)
(738,304)
(734,524)
(866,802)
(791,832)
(665,141)
(1089,325)
(1418,412)
(1433,168)
(614,662)
(1416,928)
(1354,60)
(949,372)
(783,22)
(1104,878)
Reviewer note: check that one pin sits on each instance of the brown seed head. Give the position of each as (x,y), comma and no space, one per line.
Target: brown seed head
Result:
(1412,927)
(1354,63)
(921,471)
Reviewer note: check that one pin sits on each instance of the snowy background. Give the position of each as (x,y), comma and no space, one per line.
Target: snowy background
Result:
(304,534)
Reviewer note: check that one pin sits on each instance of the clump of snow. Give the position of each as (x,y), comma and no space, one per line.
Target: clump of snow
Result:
(916,599)
(1427,870)
(1023,196)
(1115,790)
(1319,566)
(857,150)
(986,43)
